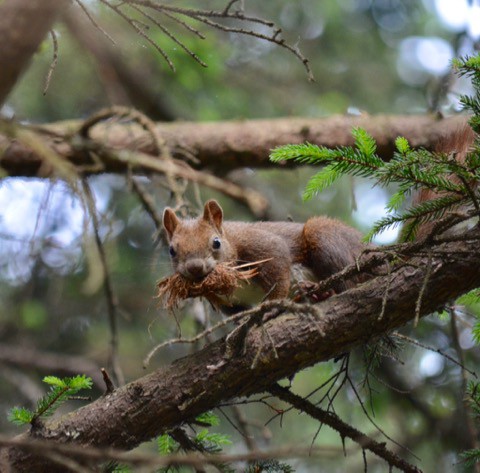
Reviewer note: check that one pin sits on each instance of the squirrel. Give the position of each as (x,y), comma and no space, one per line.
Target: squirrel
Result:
(322,245)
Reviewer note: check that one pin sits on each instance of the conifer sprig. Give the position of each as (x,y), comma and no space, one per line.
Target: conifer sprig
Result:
(61,389)
(451,180)
(469,66)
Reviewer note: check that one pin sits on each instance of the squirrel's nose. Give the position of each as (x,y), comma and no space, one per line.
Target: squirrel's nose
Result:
(196,268)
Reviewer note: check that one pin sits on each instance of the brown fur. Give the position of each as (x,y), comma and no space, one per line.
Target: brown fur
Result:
(322,244)
(459,144)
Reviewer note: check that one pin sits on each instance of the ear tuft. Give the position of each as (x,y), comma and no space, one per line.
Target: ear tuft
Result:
(170,222)
(213,214)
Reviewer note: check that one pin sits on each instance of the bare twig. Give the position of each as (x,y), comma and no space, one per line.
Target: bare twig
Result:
(369,417)
(243,427)
(92,20)
(112,303)
(344,429)
(108,382)
(418,305)
(54,62)
(139,31)
(436,350)
(148,9)
(385,298)
(147,204)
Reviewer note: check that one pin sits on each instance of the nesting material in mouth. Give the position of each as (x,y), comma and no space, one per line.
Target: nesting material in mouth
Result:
(220,282)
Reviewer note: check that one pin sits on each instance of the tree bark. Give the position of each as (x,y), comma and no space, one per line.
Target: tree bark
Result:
(299,335)
(23,26)
(224,146)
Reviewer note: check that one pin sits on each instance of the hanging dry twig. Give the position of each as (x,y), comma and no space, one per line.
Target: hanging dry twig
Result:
(54,62)
(228,20)
(109,293)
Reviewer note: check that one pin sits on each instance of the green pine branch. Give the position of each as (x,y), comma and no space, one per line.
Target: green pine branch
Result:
(61,389)
(409,169)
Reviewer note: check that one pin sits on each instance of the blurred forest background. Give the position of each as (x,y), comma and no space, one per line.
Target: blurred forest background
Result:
(368,57)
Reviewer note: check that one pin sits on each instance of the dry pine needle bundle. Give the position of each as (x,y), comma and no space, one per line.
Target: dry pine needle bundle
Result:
(221,281)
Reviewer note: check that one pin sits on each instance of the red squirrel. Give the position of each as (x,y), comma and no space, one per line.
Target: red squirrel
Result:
(321,245)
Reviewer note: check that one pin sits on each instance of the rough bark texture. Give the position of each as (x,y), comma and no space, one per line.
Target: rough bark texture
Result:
(23,26)
(224,146)
(302,335)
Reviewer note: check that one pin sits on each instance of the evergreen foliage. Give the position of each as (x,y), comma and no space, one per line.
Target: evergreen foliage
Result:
(61,389)
(204,441)
(410,169)
(472,456)
(454,185)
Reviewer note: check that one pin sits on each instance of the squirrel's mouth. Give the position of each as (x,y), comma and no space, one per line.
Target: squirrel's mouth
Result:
(197,276)
(195,269)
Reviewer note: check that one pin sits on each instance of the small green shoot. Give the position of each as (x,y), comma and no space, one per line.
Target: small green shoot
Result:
(61,389)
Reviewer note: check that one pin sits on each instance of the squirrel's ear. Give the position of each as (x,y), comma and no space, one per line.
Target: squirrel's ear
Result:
(213,213)
(170,221)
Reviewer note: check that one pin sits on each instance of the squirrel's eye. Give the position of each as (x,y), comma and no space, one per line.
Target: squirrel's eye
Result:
(172,252)
(216,244)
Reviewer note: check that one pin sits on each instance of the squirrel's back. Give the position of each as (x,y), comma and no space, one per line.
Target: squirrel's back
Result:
(322,244)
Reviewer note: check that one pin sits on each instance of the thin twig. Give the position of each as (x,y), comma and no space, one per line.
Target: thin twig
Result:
(433,349)
(184,24)
(426,279)
(54,62)
(167,32)
(112,303)
(387,290)
(344,429)
(140,32)
(195,339)
(362,406)
(147,204)
(108,382)
(92,20)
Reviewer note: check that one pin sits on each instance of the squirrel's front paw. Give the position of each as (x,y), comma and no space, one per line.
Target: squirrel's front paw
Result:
(308,290)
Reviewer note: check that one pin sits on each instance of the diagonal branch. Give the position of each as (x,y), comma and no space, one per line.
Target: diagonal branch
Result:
(344,429)
(191,385)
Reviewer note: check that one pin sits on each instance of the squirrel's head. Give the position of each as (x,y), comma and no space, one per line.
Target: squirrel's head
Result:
(197,245)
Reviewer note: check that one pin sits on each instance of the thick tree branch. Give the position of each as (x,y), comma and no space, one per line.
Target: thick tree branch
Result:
(299,335)
(23,26)
(222,146)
